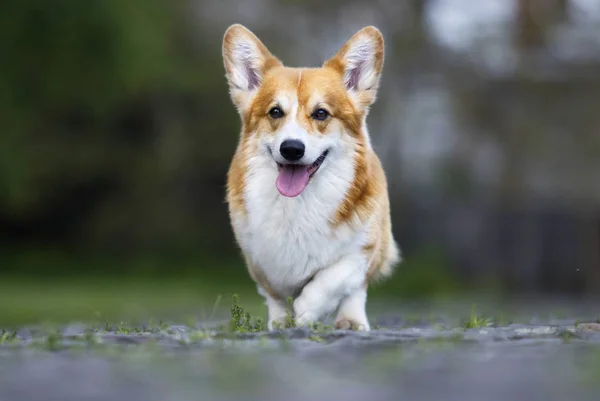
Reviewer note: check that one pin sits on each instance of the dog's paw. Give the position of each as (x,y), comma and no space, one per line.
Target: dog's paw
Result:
(304,319)
(349,324)
(304,312)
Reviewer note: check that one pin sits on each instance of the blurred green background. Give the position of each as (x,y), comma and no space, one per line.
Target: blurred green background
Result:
(117,131)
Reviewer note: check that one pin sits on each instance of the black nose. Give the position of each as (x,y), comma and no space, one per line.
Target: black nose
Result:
(292,150)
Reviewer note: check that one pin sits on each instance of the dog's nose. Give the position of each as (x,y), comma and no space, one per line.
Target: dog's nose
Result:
(292,150)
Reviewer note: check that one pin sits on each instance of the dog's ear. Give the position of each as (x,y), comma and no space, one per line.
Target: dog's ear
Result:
(360,62)
(246,61)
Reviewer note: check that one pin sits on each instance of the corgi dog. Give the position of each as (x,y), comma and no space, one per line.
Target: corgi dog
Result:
(307,195)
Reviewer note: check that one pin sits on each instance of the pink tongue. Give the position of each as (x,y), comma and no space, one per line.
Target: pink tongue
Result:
(292,180)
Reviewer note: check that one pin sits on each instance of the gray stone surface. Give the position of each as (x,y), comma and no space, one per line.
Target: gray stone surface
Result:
(433,358)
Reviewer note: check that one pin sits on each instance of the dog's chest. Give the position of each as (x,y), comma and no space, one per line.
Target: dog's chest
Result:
(290,239)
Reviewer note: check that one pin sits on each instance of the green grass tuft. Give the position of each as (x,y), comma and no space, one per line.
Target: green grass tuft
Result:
(53,340)
(476,321)
(7,337)
(317,339)
(290,321)
(320,328)
(567,336)
(198,335)
(123,329)
(241,321)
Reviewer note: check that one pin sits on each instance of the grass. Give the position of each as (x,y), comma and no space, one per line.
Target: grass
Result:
(567,336)
(425,274)
(290,321)
(39,285)
(25,301)
(192,293)
(241,321)
(49,337)
(7,337)
(53,340)
(476,321)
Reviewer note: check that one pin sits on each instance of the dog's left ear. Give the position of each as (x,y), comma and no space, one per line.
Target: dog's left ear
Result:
(360,62)
(246,61)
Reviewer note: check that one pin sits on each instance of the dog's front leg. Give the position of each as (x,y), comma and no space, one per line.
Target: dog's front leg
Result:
(323,294)
(276,309)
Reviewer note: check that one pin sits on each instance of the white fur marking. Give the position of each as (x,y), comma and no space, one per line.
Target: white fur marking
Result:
(327,289)
(277,309)
(353,310)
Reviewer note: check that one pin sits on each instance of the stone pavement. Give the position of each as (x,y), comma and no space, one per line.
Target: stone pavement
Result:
(554,360)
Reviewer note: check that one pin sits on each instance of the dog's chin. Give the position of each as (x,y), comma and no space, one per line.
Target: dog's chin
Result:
(293,178)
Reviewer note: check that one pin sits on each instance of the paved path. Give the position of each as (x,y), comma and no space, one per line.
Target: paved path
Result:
(556,360)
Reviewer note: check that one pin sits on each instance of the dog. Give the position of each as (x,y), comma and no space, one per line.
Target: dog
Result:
(307,195)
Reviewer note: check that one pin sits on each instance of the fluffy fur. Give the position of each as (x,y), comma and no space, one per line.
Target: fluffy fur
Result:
(324,246)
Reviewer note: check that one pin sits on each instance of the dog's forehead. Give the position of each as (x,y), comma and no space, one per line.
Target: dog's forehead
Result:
(300,87)
(319,82)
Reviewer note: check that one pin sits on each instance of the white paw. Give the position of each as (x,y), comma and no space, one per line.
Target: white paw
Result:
(304,313)
(350,324)
(305,319)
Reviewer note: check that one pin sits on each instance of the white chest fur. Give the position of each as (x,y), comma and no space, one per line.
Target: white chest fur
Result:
(290,239)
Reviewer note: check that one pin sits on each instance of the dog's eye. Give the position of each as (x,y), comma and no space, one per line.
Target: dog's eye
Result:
(320,114)
(276,112)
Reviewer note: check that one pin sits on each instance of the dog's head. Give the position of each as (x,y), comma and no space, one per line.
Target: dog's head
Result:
(299,120)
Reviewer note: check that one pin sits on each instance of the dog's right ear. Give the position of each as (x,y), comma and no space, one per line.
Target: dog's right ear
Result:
(246,61)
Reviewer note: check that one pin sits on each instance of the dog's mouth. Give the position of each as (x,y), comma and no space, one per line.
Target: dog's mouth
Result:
(293,178)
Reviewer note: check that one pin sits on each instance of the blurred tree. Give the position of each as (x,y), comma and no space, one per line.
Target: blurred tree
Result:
(87,93)
(67,64)
(529,30)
